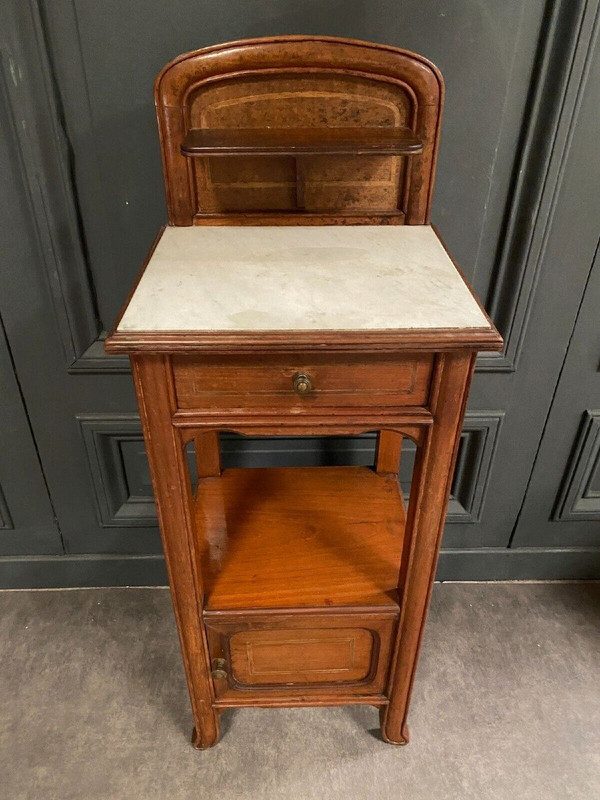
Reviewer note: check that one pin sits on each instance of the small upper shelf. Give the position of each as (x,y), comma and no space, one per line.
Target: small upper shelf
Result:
(300,141)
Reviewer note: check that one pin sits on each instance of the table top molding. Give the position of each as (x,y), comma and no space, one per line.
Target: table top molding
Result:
(363,288)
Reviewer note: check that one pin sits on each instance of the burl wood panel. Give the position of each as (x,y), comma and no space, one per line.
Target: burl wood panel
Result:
(299,82)
(331,183)
(299,537)
(267,382)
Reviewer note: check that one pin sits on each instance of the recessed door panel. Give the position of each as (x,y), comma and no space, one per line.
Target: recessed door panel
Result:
(296,659)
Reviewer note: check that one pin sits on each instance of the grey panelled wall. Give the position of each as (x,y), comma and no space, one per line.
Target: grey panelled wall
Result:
(516,200)
(562,505)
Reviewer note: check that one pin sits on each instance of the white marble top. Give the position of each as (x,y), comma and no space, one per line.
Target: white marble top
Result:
(300,278)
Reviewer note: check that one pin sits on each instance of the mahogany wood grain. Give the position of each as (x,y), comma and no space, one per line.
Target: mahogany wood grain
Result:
(172,494)
(364,341)
(334,422)
(208,454)
(298,699)
(234,382)
(430,490)
(299,537)
(387,453)
(296,658)
(300,141)
(275,657)
(340,217)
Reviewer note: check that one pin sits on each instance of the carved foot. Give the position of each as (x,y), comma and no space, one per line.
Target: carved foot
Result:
(200,743)
(390,735)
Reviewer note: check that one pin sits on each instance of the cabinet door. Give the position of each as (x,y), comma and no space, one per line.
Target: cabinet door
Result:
(276,658)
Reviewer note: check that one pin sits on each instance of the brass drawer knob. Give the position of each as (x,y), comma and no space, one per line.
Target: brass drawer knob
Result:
(302,383)
(218,668)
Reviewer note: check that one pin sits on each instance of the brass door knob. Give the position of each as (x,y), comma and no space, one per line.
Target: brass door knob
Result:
(302,383)
(218,668)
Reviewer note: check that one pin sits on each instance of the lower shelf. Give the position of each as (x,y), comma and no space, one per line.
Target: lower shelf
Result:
(300,538)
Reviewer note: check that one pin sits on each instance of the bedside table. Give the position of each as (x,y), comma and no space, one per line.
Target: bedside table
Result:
(300,586)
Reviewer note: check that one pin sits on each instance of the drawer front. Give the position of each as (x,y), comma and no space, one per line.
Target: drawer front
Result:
(307,655)
(312,381)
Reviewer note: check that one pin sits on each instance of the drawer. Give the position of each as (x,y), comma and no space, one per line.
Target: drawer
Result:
(307,655)
(302,382)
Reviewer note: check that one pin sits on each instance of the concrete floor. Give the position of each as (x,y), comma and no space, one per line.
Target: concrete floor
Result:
(506,707)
